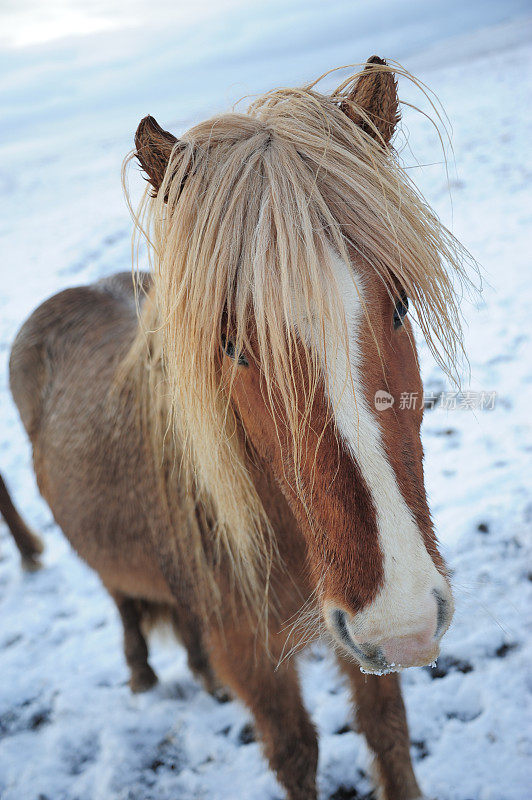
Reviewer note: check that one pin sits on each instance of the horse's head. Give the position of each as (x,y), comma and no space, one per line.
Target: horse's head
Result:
(360,496)
(288,241)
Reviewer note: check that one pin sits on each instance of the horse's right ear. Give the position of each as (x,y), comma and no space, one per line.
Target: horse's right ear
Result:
(153,149)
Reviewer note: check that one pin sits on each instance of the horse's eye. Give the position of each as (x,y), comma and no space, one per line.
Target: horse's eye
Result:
(228,346)
(400,310)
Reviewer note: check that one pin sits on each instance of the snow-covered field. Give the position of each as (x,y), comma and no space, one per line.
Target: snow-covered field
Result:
(69,727)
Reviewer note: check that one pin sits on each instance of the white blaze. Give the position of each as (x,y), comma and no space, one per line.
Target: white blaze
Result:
(409,572)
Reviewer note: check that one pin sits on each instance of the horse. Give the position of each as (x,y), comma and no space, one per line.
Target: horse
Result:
(206,434)
(28,543)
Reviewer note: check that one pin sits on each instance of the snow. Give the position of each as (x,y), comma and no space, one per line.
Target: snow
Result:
(71,99)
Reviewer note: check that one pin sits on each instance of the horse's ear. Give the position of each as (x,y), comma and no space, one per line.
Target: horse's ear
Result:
(375,93)
(153,149)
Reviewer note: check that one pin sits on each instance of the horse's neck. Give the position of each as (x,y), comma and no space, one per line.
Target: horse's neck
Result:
(140,379)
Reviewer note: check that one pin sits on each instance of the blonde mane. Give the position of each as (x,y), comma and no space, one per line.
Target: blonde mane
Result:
(240,230)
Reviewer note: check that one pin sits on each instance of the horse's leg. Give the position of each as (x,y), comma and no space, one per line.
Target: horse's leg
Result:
(135,647)
(28,543)
(381,717)
(273,696)
(189,630)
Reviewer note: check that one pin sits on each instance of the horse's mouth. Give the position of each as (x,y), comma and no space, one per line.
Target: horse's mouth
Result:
(371,659)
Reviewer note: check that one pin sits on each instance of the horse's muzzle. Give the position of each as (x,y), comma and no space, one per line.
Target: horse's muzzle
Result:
(417,646)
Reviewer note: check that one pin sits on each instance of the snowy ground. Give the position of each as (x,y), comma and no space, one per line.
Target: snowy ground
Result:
(69,727)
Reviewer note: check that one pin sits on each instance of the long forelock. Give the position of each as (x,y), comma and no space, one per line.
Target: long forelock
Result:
(241,229)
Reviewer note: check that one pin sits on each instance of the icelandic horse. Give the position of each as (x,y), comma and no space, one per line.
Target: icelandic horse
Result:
(207,437)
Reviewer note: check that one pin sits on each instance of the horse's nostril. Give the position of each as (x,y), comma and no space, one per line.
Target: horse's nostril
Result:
(442,611)
(339,621)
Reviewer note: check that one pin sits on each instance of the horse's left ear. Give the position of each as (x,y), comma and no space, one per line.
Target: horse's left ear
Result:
(375,94)
(154,147)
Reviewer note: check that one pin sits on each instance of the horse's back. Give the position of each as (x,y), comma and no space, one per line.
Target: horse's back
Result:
(63,328)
